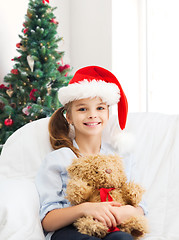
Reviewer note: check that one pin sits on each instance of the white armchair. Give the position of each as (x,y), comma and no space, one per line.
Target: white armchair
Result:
(157,157)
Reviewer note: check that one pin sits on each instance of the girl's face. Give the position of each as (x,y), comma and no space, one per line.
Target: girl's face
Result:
(89,116)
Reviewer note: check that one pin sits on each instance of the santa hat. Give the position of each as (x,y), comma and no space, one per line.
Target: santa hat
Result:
(94,81)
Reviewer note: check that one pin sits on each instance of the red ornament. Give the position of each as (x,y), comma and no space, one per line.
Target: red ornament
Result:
(14,71)
(18,45)
(24,24)
(2,86)
(25,30)
(43,1)
(53,21)
(8,122)
(32,94)
(62,68)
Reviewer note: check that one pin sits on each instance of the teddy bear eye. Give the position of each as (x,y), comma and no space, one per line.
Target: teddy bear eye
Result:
(96,172)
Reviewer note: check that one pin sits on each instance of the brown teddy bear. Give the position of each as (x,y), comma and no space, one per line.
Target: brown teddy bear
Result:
(102,178)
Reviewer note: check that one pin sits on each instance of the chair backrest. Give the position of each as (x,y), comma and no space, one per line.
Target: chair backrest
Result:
(24,150)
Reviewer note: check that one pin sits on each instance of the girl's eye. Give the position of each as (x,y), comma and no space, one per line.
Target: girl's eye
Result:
(100,108)
(82,109)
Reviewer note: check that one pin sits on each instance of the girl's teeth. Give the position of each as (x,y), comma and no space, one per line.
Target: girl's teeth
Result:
(91,124)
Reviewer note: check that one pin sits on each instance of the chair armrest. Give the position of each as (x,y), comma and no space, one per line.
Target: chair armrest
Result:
(19,217)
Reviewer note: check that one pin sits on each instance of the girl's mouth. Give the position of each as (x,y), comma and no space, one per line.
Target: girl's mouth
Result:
(92,124)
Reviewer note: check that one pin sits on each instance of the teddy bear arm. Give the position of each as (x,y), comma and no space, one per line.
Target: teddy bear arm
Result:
(78,191)
(132,193)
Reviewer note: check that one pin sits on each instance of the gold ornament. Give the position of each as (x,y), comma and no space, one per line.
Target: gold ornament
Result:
(49,90)
(45,58)
(1,125)
(48,10)
(37,75)
(23,48)
(9,92)
(41,44)
(29,14)
(24,83)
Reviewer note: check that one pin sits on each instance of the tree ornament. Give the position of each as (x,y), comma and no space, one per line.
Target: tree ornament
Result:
(0,125)
(25,30)
(53,21)
(9,92)
(43,1)
(26,110)
(62,68)
(29,14)
(18,45)
(8,121)
(32,94)
(24,24)
(23,48)
(15,71)
(2,86)
(49,88)
(30,61)
(39,100)
(48,10)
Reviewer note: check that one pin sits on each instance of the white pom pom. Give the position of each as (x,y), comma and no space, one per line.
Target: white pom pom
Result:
(123,142)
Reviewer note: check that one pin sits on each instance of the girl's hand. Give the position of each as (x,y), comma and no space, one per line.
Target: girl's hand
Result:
(124,212)
(103,212)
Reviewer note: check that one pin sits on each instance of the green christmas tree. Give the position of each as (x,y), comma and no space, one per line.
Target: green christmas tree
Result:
(31,88)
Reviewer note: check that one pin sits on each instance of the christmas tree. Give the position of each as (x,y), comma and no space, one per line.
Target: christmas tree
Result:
(31,88)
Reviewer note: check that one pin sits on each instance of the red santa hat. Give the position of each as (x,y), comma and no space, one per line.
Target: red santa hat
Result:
(94,81)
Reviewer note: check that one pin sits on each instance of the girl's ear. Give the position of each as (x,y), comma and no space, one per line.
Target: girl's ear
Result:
(68,117)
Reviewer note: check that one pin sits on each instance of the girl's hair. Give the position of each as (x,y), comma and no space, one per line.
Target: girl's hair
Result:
(59,130)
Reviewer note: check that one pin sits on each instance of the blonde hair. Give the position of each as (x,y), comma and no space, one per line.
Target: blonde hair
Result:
(59,130)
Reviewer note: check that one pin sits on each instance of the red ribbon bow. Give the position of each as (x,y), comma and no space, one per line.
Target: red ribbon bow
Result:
(105,195)
(43,1)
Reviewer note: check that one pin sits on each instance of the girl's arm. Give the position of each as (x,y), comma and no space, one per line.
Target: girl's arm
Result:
(124,212)
(103,212)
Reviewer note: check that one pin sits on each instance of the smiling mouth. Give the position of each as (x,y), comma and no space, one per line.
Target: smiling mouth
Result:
(91,124)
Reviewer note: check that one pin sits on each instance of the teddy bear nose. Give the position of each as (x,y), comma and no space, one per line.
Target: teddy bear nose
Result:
(108,171)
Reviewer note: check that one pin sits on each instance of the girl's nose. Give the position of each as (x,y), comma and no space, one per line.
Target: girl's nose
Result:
(92,114)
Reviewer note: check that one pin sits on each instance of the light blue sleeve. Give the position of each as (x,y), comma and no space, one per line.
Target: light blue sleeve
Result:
(51,180)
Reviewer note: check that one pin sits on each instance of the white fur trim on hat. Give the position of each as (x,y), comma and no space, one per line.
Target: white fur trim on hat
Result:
(108,92)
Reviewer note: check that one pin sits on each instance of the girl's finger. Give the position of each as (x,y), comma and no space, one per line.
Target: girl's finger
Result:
(116,204)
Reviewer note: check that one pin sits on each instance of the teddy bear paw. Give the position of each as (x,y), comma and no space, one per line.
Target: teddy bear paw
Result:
(87,225)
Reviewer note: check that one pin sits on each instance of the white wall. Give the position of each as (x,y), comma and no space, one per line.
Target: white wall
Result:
(125,49)
(85,26)
(91,33)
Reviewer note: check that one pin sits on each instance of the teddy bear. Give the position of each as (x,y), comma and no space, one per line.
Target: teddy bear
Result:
(97,178)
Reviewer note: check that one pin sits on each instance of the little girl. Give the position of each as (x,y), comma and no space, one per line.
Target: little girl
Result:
(86,102)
